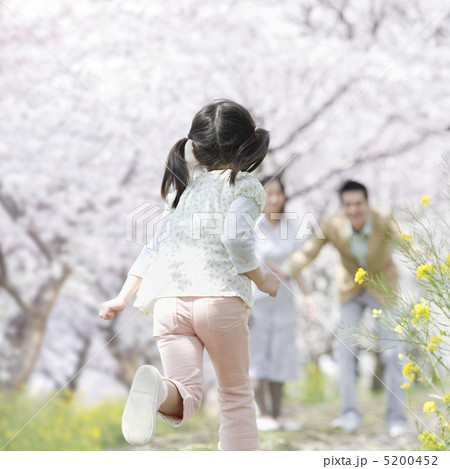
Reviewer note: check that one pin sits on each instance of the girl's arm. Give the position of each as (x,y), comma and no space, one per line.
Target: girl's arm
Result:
(110,308)
(267,282)
(239,243)
(130,287)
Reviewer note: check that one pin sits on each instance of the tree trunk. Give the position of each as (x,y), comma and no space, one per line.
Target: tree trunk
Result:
(26,331)
(29,342)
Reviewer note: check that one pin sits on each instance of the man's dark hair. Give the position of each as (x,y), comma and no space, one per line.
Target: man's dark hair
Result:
(353,186)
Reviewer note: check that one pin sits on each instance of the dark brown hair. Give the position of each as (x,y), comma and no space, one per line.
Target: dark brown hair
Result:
(265,180)
(223,136)
(353,186)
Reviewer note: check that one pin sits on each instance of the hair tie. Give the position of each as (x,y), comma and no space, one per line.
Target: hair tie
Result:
(187,137)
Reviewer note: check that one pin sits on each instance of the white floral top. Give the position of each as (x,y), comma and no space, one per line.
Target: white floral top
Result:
(200,248)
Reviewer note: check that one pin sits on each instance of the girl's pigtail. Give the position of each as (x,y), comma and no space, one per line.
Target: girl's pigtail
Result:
(176,173)
(251,153)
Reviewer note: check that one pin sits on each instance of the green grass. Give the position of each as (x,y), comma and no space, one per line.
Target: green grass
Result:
(313,387)
(28,424)
(313,401)
(61,425)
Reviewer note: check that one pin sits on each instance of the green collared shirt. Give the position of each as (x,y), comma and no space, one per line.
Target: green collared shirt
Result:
(358,242)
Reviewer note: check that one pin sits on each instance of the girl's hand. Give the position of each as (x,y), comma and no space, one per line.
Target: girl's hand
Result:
(110,308)
(271,284)
(278,271)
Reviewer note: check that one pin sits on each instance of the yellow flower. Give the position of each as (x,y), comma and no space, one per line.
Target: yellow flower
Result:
(399,328)
(429,406)
(432,344)
(420,311)
(359,276)
(406,236)
(446,398)
(425,270)
(400,356)
(405,386)
(376,312)
(427,439)
(424,200)
(419,379)
(409,368)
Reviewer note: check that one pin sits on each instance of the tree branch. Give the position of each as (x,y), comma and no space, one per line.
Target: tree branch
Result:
(49,290)
(3,271)
(15,212)
(314,116)
(361,160)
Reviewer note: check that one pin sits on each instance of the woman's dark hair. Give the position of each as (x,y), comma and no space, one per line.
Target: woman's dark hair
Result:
(223,136)
(265,180)
(353,186)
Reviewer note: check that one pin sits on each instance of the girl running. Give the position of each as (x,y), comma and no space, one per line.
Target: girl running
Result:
(195,279)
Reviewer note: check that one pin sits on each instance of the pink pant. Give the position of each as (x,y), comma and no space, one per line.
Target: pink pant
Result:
(182,328)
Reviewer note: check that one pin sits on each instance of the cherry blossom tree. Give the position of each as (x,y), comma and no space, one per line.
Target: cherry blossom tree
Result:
(94,94)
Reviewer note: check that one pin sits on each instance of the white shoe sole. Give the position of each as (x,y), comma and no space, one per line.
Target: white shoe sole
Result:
(139,415)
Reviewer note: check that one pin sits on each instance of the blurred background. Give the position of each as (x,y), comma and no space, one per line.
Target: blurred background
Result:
(94,93)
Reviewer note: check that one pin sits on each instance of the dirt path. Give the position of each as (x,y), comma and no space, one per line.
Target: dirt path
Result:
(316,435)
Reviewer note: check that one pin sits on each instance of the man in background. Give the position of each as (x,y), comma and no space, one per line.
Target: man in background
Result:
(361,236)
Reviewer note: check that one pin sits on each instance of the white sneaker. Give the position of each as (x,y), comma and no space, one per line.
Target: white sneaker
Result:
(267,424)
(291,426)
(349,422)
(148,391)
(397,430)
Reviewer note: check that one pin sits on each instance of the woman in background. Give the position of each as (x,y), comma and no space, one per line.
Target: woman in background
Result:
(273,354)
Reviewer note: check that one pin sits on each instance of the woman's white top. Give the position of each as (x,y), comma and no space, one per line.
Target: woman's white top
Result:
(204,246)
